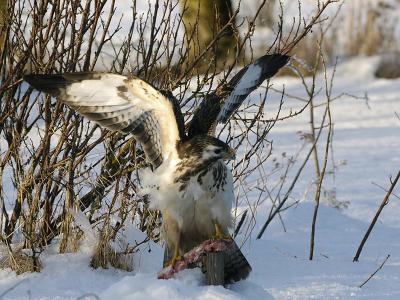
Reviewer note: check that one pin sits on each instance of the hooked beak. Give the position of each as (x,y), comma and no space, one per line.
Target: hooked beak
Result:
(231,153)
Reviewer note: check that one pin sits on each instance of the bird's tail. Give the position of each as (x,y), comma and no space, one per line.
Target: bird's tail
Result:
(236,265)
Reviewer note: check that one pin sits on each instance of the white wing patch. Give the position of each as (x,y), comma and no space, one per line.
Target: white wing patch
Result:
(129,105)
(245,86)
(246,83)
(254,74)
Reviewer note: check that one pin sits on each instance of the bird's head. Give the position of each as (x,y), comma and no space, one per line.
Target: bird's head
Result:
(206,147)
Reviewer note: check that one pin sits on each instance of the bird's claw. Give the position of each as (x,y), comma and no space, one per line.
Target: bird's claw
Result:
(174,260)
(219,234)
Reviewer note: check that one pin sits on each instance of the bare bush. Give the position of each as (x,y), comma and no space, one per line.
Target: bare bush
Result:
(52,161)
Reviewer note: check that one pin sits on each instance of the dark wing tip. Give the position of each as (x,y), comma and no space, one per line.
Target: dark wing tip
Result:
(273,63)
(53,84)
(279,56)
(46,83)
(283,59)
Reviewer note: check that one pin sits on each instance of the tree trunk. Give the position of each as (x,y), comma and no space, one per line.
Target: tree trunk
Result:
(203,19)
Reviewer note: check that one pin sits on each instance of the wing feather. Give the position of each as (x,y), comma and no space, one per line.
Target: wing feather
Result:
(118,103)
(214,108)
(250,78)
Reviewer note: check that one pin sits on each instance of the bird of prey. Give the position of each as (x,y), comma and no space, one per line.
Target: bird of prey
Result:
(189,181)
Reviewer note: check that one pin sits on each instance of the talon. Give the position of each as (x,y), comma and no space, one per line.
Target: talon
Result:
(174,260)
(219,234)
(177,255)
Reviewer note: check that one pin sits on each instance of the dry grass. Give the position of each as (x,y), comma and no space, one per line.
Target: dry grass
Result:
(106,256)
(19,261)
(366,32)
(369,32)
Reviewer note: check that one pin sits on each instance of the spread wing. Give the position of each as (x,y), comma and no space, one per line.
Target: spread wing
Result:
(250,78)
(215,108)
(119,103)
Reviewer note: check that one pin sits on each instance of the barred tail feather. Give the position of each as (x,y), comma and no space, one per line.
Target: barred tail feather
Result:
(236,265)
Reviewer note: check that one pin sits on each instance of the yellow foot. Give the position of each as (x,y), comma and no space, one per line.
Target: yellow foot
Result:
(173,261)
(219,234)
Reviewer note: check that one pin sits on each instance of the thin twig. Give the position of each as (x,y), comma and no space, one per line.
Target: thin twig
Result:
(240,224)
(385,201)
(321,173)
(289,191)
(376,271)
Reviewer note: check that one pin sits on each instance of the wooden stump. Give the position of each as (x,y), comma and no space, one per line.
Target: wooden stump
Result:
(214,268)
(211,254)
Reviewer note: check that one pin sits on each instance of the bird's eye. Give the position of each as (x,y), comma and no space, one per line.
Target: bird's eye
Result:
(217,151)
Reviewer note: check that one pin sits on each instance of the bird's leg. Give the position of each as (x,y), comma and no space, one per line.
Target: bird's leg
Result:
(177,256)
(173,236)
(219,233)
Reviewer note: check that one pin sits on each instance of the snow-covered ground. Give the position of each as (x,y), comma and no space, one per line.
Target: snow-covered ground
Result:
(366,148)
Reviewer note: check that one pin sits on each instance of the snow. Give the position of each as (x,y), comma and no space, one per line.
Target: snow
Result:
(366,141)
(366,147)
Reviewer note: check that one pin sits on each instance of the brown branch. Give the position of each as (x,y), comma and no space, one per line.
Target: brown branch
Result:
(314,20)
(297,176)
(376,271)
(385,201)
(321,173)
(240,224)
